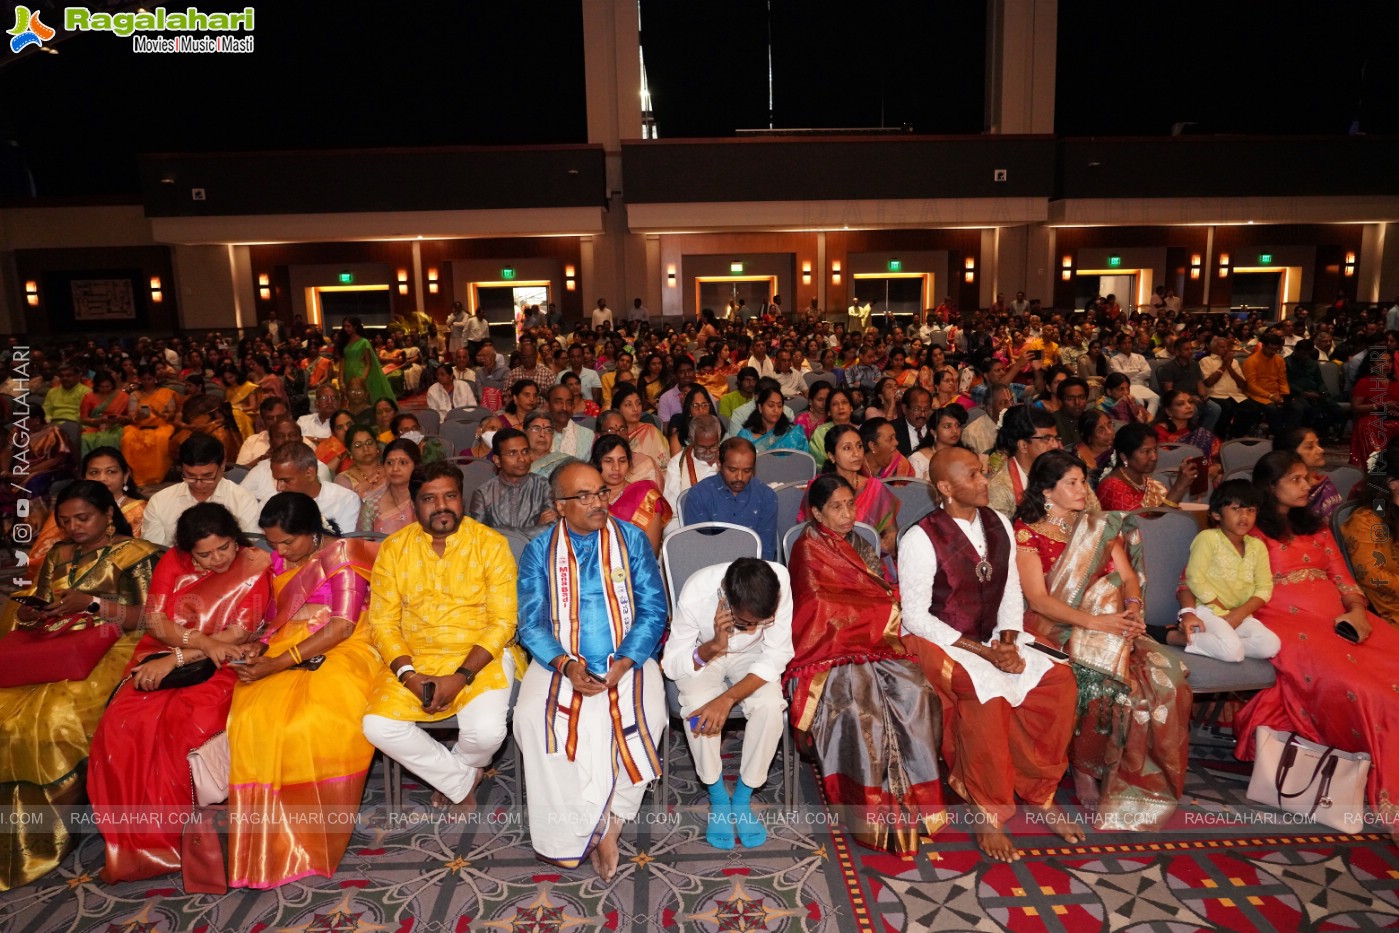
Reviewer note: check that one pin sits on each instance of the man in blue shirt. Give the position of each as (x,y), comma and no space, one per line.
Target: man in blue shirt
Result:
(732,496)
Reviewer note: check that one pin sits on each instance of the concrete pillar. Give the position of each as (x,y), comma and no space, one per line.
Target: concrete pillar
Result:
(1370,264)
(1020,65)
(205,287)
(654,295)
(1012,261)
(1041,265)
(612,84)
(1388,287)
(986,268)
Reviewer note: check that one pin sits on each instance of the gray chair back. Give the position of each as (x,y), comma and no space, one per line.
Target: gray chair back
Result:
(429,419)
(680,505)
(236,474)
(790,497)
(1344,479)
(1338,519)
(797,404)
(1166,536)
(785,466)
(474,475)
(1243,452)
(460,434)
(1171,456)
(701,545)
(518,541)
(865,531)
(915,498)
(479,413)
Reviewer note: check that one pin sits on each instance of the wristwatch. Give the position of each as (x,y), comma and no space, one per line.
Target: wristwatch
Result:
(468,673)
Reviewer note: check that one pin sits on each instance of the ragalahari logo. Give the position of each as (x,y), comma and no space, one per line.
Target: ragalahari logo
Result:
(29,30)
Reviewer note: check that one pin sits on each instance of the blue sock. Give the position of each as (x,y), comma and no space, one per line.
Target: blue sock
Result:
(751,832)
(719,832)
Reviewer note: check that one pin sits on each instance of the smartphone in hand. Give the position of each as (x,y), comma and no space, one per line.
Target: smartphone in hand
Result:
(429,691)
(587,672)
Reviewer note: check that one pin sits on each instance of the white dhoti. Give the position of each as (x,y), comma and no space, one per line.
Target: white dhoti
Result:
(569,801)
(764,709)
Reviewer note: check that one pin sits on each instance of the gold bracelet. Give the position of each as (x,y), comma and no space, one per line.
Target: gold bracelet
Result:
(295,654)
(184,639)
(179,657)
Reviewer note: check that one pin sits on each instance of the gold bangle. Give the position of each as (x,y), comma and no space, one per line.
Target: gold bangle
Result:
(179,657)
(184,639)
(295,654)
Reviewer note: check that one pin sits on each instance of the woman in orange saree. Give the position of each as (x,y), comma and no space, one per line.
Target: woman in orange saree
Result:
(207,597)
(145,441)
(299,756)
(862,703)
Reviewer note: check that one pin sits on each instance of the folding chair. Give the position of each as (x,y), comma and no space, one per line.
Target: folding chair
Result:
(704,544)
(430,421)
(1243,452)
(1171,456)
(474,475)
(460,434)
(915,498)
(785,466)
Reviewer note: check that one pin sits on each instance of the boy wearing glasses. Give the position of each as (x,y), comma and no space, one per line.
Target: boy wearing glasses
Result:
(729,643)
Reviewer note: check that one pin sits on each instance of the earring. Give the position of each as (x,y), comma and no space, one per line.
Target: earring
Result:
(111,529)
(317,540)
(1048,506)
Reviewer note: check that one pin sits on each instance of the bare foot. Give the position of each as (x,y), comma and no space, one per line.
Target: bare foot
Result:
(606,855)
(996,844)
(1061,823)
(440,800)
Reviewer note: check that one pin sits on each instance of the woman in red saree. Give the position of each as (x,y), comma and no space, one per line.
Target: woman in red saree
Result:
(294,729)
(1328,690)
(208,596)
(1375,401)
(1082,576)
(640,502)
(856,697)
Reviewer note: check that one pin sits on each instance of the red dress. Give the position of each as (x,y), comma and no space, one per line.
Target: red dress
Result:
(1328,690)
(139,765)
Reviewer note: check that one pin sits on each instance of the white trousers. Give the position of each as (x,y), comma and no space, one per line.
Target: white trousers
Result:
(1148,398)
(570,801)
(764,708)
(481,732)
(1220,640)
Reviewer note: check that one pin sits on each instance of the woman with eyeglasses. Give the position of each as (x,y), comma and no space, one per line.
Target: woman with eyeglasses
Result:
(1026,432)
(539,432)
(365,474)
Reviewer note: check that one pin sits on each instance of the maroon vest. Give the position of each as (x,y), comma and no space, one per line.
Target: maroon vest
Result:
(959,598)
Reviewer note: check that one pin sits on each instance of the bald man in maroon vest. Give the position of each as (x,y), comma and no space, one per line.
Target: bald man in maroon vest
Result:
(1007,710)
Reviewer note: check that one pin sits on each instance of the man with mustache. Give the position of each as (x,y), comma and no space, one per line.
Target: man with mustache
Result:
(592,706)
(442,610)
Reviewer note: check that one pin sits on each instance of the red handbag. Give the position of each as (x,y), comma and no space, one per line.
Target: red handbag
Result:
(31,656)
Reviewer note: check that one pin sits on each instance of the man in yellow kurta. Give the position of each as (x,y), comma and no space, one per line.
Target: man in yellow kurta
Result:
(442,613)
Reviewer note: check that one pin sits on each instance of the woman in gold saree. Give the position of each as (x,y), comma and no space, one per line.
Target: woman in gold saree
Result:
(46,728)
(1082,575)
(294,728)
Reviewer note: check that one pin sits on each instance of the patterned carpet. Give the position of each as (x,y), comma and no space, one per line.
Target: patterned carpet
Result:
(417,872)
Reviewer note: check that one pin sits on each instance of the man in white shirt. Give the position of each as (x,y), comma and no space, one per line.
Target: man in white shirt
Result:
(1020,306)
(448,392)
(697,460)
(601,314)
(1135,367)
(316,425)
(730,640)
(638,312)
(477,329)
(1222,382)
(760,360)
(259,482)
(570,437)
(588,379)
(255,448)
(1008,710)
(787,377)
(294,470)
(201,467)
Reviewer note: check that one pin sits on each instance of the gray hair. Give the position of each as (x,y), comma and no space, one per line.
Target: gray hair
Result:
(704,422)
(296,453)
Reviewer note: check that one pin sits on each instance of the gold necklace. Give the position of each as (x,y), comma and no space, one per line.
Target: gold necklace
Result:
(1128,480)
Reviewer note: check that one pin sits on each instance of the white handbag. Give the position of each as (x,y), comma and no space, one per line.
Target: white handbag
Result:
(1321,782)
(209,766)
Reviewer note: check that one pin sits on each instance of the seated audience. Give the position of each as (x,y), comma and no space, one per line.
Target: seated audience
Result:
(449,650)
(1325,498)
(256,446)
(296,469)
(390,507)
(882,456)
(514,499)
(728,644)
(848,662)
(1007,712)
(1130,484)
(733,495)
(1081,572)
(145,439)
(539,431)
(768,427)
(1335,683)
(643,466)
(569,437)
(208,597)
(294,723)
(333,451)
(840,405)
(1227,580)
(448,392)
(202,480)
(259,483)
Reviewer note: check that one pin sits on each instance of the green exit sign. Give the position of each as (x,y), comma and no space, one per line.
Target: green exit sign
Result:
(1114,261)
(346,278)
(507,273)
(895,265)
(1265,258)
(736,267)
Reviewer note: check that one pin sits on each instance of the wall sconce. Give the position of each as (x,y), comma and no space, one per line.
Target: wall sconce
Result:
(670,276)
(156,295)
(1067,272)
(570,278)
(806,273)
(264,286)
(970,275)
(835,273)
(1349,268)
(403,281)
(1223,265)
(432,281)
(1195,266)
(31,293)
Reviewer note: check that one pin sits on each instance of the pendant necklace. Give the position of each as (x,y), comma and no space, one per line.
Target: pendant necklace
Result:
(983,566)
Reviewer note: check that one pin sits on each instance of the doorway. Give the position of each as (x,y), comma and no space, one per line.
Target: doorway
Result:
(500,302)
(894,297)
(722,292)
(372,304)
(1124,284)
(1269,289)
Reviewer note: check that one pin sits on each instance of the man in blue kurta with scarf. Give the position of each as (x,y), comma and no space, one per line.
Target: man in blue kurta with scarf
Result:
(592,706)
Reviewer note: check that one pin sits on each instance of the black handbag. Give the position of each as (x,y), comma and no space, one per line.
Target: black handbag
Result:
(186,675)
